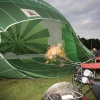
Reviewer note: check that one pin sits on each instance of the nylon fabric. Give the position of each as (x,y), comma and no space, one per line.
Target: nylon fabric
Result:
(28,28)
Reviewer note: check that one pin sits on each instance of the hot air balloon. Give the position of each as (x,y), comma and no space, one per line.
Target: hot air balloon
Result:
(27,29)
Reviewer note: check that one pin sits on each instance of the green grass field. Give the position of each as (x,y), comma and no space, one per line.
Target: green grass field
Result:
(29,89)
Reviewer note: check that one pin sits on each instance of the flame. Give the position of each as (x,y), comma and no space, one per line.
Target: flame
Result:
(53,52)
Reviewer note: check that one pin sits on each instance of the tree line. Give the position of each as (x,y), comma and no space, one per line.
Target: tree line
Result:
(91,43)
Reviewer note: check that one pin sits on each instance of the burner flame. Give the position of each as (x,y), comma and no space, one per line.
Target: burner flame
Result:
(55,51)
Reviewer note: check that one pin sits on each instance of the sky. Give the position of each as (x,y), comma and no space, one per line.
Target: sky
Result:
(83,15)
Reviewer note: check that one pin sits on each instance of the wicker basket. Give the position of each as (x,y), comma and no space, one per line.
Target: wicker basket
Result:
(63,88)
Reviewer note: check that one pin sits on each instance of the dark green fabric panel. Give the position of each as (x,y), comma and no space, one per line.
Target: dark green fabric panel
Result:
(44,5)
(42,12)
(22,5)
(12,74)
(18,32)
(5,19)
(16,13)
(10,37)
(89,53)
(53,15)
(5,0)
(40,34)
(4,66)
(19,1)
(70,47)
(4,37)
(13,36)
(6,48)
(7,71)
(1,29)
(30,26)
(82,53)
(40,46)
(20,49)
(32,3)
(38,68)
(2,45)
(38,64)
(33,48)
(74,48)
(9,44)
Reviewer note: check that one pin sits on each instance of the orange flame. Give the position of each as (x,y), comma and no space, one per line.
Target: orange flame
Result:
(53,52)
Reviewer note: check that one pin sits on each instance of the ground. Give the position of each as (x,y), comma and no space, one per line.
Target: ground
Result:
(30,89)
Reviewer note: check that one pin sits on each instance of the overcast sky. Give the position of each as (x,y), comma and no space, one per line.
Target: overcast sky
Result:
(83,15)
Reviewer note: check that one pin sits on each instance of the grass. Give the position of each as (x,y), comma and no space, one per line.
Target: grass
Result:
(30,89)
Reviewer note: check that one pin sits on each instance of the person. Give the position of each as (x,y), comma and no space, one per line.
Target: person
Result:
(95,87)
(96,54)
